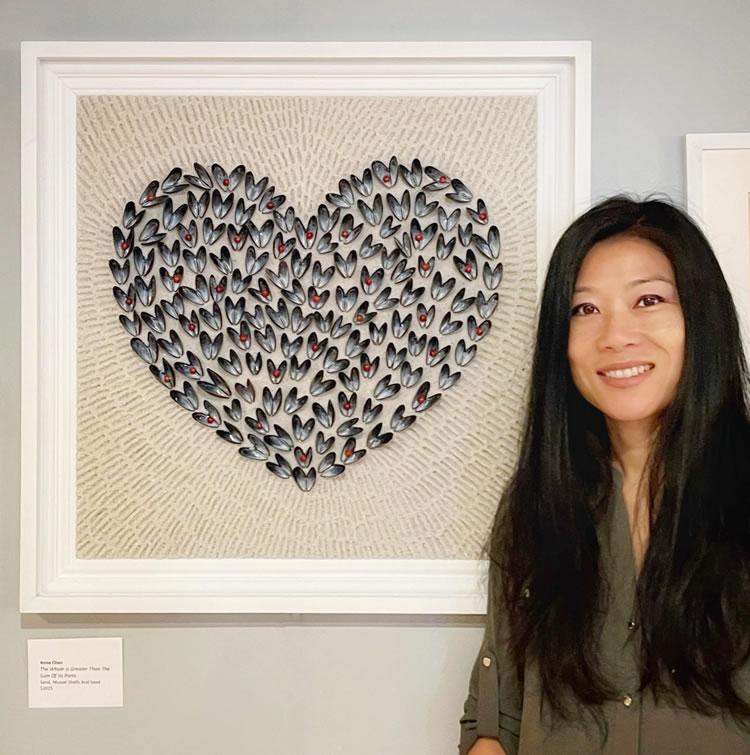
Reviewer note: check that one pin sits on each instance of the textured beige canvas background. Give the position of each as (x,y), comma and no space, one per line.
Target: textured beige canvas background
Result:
(151,482)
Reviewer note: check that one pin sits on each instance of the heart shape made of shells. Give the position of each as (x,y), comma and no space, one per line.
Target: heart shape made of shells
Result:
(295,337)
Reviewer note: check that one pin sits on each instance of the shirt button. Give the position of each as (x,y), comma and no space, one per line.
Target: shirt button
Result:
(627,701)
(631,625)
(486,662)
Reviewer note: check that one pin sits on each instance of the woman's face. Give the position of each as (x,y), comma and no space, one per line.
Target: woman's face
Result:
(626,341)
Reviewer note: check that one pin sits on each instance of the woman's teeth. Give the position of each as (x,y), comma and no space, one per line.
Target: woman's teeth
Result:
(629,372)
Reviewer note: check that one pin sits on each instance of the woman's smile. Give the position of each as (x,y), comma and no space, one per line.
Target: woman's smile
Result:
(627,375)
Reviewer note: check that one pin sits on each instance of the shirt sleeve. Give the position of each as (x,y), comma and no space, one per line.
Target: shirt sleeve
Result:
(493,706)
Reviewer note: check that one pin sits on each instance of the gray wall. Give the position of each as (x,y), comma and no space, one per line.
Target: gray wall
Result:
(318,685)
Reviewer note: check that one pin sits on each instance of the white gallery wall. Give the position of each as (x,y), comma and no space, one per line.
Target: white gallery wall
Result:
(317,685)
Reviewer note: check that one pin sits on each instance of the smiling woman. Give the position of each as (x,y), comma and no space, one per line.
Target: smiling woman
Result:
(627,333)
(619,593)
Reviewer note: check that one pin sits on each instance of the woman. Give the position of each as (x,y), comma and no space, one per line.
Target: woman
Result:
(619,590)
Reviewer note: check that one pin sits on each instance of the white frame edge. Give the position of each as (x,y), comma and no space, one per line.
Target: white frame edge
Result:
(695,146)
(52,578)
(735,268)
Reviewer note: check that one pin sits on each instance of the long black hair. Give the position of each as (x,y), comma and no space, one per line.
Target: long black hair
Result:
(693,591)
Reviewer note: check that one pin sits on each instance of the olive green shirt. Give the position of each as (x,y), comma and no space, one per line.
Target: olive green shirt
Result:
(500,707)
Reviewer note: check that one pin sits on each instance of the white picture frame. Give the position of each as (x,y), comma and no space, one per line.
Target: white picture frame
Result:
(54,75)
(718,197)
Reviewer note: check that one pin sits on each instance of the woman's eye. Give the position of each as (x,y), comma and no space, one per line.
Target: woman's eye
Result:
(584,309)
(649,300)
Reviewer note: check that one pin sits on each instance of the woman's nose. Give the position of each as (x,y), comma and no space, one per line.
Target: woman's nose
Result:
(618,331)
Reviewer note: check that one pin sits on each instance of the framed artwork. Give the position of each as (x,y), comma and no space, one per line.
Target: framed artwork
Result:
(277,316)
(718,195)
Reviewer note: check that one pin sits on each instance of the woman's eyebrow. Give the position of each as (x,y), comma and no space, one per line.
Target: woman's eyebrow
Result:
(632,284)
(660,278)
